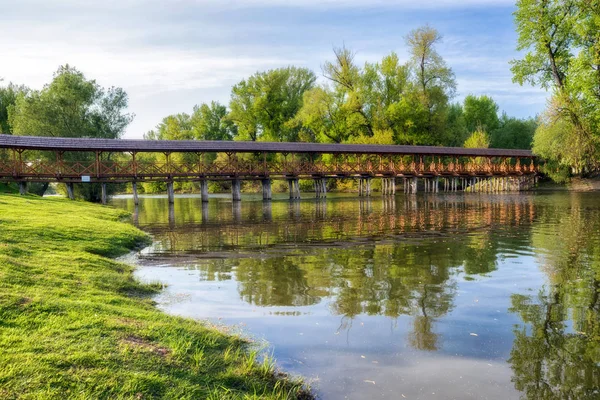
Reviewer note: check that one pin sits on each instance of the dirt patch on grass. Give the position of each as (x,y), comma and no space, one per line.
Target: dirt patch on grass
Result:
(137,342)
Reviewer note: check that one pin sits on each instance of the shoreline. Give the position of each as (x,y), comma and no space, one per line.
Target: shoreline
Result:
(77,323)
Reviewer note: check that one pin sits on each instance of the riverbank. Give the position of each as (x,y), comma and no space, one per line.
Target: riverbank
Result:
(74,323)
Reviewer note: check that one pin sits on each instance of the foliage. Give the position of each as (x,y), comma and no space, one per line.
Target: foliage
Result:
(262,105)
(563,43)
(513,133)
(75,324)
(434,79)
(8,98)
(207,122)
(70,106)
(481,112)
(556,351)
(478,140)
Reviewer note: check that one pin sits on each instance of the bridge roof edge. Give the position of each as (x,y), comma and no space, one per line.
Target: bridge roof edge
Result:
(182,146)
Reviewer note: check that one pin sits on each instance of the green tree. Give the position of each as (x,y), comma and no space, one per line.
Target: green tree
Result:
(481,112)
(456,127)
(478,140)
(209,122)
(513,133)
(263,105)
(433,79)
(173,127)
(562,39)
(8,98)
(71,106)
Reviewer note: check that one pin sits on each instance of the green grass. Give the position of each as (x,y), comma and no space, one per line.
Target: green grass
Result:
(75,324)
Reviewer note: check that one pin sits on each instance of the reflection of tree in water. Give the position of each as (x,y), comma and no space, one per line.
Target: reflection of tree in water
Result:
(274,281)
(556,353)
(408,273)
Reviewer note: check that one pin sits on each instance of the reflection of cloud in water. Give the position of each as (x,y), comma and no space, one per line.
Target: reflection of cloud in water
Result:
(349,376)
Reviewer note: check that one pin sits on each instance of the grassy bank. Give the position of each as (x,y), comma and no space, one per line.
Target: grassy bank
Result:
(75,324)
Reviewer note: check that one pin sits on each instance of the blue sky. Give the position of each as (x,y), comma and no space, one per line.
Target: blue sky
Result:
(171,55)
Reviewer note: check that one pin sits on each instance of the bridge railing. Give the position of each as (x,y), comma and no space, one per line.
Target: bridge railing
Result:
(144,169)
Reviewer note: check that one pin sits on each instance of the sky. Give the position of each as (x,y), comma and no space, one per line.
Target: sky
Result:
(171,55)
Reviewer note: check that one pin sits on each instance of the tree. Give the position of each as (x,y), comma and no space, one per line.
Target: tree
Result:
(173,127)
(481,112)
(563,43)
(263,105)
(456,127)
(8,98)
(478,140)
(434,80)
(209,122)
(513,133)
(71,106)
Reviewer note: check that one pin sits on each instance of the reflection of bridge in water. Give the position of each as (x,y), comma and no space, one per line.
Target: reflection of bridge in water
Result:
(39,159)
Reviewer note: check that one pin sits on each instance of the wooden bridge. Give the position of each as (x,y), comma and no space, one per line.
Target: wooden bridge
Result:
(68,160)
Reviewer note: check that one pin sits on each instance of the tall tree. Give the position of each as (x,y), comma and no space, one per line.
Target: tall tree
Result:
(434,80)
(562,39)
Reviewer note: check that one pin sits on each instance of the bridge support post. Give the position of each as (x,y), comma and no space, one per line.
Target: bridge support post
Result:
(204,190)
(294,186)
(136,200)
(414,182)
(384,183)
(170,192)
(368,187)
(22,188)
(321,186)
(266,189)
(436,184)
(70,191)
(236,210)
(204,212)
(104,194)
(389,186)
(236,190)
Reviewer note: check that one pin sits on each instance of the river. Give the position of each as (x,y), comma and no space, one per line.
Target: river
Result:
(467,296)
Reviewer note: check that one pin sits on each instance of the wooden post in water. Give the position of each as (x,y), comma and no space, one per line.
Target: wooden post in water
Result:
(266,189)
(22,188)
(294,186)
(136,200)
(236,190)
(104,194)
(70,191)
(204,190)
(170,192)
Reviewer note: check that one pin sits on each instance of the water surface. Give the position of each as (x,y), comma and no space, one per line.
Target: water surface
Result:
(468,296)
